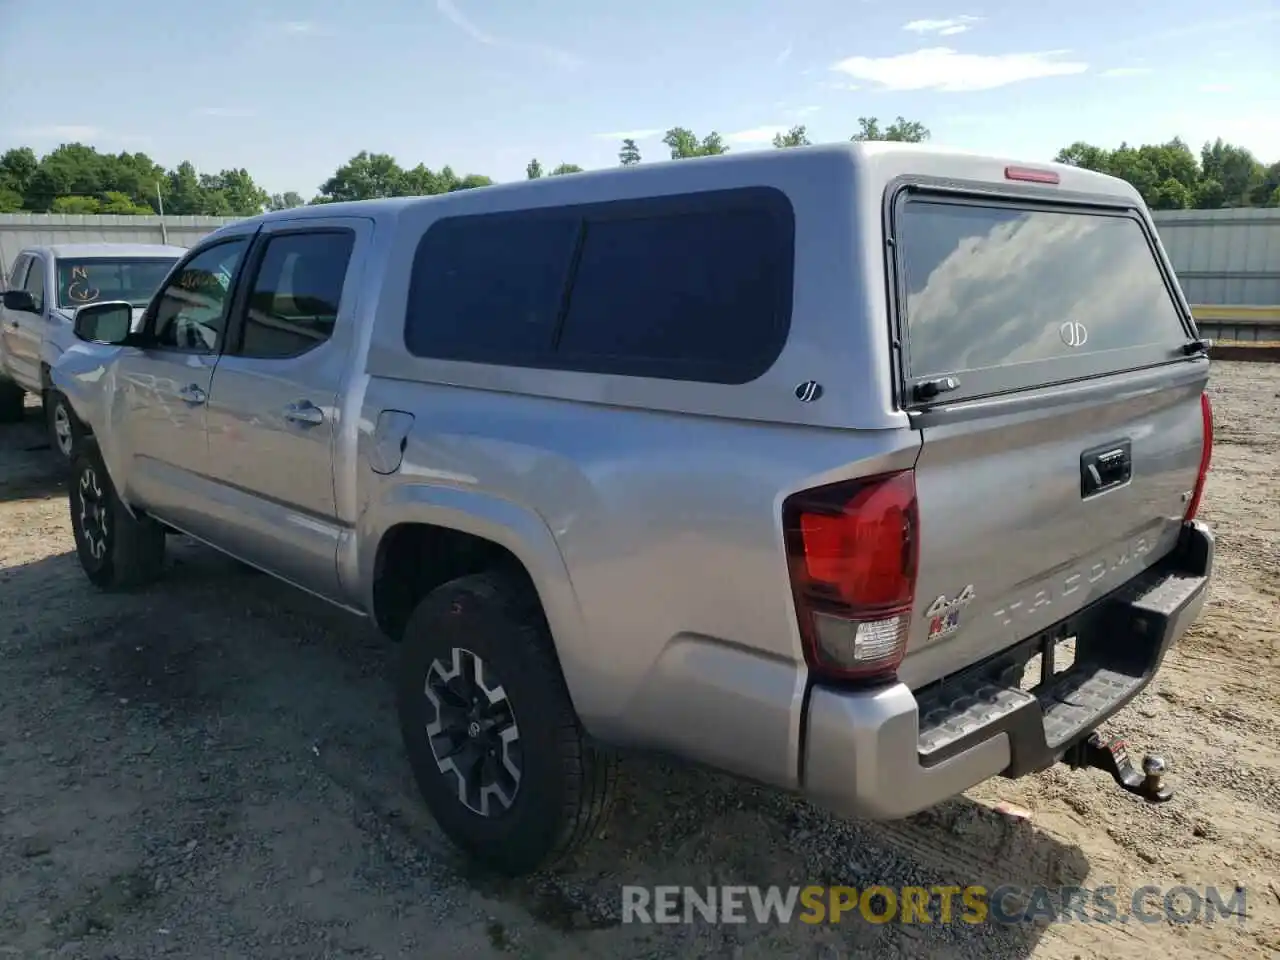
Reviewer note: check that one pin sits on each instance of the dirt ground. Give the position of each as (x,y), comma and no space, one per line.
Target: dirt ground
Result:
(211,768)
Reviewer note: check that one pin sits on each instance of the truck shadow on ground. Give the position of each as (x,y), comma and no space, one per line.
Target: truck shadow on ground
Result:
(30,470)
(217,660)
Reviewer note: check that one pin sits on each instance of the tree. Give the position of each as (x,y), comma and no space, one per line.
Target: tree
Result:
(1235,168)
(117,202)
(75,204)
(363,177)
(795,137)
(17,166)
(77,178)
(182,193)
(1171,177)
(901,130)
(285,201)
(683,144)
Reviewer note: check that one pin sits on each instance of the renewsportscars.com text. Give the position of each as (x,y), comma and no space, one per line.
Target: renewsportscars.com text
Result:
(1007,904)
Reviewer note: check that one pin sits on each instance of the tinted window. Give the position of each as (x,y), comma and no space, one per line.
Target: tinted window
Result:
(191,313)
(293,304)
(88,281)
(990,286)
(489,286)
(35,282)
(707,291)
(686,287)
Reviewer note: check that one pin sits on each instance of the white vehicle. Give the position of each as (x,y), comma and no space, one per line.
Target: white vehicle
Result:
(43,290)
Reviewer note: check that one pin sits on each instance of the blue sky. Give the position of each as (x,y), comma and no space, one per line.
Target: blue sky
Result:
(291,89)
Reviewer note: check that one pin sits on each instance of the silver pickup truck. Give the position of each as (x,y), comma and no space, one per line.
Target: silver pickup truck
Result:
(791,463)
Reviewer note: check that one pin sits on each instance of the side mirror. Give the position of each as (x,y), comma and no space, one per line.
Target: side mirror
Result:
(19,300)
(107,322)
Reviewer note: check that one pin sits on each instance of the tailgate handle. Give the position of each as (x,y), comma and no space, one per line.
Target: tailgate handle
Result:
(1102,468)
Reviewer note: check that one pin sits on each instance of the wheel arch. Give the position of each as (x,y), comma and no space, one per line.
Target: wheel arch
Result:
(461,532)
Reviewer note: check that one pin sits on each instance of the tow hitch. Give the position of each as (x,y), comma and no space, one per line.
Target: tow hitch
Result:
(1112,757)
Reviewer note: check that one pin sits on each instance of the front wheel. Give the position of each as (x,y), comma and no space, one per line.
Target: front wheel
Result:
(117,550)
(66,433)
(490,731)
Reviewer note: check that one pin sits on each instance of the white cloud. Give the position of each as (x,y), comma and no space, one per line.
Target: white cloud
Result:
(561,58)
(646,134)
(1216,88)
(841,85)
(784,56)
(224,112)
(944,69)
(943,28)
(299,26)
(805,111)
(756,135)
(1126,71)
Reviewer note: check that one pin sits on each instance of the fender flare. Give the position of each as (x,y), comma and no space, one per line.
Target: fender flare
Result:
(519,529)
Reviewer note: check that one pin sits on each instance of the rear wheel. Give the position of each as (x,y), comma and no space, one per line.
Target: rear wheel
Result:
(13,400)
(491,734)
(117,550)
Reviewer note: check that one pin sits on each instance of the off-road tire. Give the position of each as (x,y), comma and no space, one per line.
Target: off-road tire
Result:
(117,550)
(13,401)
(566,783)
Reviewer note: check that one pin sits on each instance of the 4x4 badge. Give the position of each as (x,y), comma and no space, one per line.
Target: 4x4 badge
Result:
(944,614)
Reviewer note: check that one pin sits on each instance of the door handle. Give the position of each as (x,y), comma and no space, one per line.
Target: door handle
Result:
(193,395)
(305,413)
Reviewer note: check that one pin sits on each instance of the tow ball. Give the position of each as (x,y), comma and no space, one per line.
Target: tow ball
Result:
(1113,757)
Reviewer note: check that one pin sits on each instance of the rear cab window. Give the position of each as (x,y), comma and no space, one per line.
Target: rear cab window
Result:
(1007,296)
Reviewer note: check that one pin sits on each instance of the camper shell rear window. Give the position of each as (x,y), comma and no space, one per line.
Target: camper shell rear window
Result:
(1006,296)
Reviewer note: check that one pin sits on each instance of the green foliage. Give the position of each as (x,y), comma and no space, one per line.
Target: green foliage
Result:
(684,144)
(285,201)
(795,137)
(75,178)
(367,176)
(901,130)
(1171,177)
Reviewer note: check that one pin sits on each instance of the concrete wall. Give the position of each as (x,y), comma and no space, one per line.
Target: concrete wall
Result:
(18,230)
(1224,256)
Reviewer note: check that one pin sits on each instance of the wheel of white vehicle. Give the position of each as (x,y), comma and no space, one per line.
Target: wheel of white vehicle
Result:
(117,550)
(66,433)
(491,734)
(13,401)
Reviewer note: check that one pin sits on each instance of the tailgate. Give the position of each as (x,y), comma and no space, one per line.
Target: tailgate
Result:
(1063,455)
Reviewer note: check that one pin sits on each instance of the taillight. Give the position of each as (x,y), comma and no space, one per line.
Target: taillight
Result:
(853,549)
(1206,453)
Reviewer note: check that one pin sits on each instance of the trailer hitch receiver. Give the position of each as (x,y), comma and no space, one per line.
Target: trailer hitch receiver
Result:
(1113,757)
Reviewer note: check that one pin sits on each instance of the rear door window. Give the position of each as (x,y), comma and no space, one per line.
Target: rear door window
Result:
(1005,298)
(490,287)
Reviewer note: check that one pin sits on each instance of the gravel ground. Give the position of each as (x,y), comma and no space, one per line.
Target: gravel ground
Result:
(211,769)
